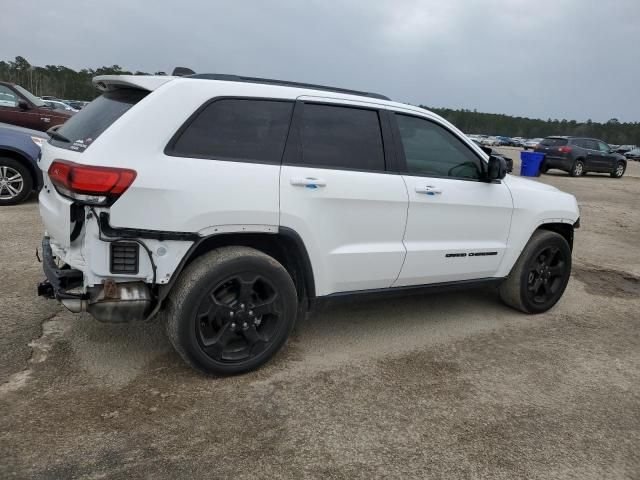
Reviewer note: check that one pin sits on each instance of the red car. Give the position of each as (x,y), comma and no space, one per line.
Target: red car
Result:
(21,107)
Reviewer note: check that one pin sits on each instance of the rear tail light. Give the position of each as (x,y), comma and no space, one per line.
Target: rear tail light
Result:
(90,184)
(564,149)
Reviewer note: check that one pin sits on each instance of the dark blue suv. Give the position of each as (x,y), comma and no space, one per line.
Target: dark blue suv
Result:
(19,174)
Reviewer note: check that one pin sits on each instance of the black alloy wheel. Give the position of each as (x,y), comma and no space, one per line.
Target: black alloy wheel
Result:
(541,274)
(547,274)
(239,317)
(231,310)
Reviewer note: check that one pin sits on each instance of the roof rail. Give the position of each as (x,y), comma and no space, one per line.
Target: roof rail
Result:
(284,83)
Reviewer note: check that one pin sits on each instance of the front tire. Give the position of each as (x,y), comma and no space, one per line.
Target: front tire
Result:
(619,170)
(15,182)
(540,276)
(231,310)
(578,169)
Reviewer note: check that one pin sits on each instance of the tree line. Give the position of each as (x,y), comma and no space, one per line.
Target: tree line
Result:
(57,80)
(63,82)
(612,131)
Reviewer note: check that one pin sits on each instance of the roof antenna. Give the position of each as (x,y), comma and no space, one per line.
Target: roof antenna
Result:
(182,71)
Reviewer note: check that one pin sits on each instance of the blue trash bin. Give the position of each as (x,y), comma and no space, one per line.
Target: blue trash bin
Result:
(530,164)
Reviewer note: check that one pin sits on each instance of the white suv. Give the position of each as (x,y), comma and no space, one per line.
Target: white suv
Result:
(236,204)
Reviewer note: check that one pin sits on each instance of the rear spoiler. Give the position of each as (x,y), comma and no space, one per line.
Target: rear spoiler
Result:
(107,83)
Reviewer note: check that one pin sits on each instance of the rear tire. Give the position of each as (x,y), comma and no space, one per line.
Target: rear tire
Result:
(619,170)
(578,169)
(544,168)
(540,276)
(15,181)
(231,310)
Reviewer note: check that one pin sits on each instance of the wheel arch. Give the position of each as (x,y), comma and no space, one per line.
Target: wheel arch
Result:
(566,230)
(24,159)
(285,246)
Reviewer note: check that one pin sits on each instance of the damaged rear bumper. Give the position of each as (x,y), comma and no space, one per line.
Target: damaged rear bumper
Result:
(59,279)
(110,302)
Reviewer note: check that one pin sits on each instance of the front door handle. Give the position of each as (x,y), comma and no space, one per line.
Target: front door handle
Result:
(308,182)
(429,190)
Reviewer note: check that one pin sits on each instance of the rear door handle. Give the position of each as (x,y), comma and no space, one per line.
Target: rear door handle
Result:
(308,182)
(429,190)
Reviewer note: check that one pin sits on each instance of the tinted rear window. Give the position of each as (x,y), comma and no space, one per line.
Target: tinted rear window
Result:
(553,142)
(341,137)
(85,126)
(236,129)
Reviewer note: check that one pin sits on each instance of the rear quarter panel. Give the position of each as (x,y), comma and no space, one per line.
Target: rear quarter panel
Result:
(177,193)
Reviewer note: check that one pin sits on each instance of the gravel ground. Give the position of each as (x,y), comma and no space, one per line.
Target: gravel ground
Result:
(447,386)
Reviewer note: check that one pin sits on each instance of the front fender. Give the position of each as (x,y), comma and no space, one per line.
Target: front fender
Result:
(535,204)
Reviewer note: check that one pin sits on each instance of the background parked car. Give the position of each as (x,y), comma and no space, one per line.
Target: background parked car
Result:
(624,148)
(59,105)
(22,108)
(77,104)
(19,174)
(505,141)
(578,156)
(531,144)
(633,154)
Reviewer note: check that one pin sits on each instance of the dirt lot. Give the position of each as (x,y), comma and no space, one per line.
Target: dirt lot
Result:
(447,386)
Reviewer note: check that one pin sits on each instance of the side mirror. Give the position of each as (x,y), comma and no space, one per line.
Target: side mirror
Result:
(497,168)
(23,105)
(486,149)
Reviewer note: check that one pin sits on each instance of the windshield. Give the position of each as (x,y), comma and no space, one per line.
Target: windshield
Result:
(29,96)
(85,126)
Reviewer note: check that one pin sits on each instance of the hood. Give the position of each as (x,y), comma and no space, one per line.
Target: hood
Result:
(526,183)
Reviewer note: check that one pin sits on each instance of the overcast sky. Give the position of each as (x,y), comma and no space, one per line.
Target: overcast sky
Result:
(573,59)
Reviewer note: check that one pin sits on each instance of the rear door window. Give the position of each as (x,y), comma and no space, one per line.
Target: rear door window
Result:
(553,142)
(85,126)
(236,130)
(591,144)
(341,138)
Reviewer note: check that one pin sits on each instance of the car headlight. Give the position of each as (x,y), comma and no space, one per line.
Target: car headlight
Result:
(38,141)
